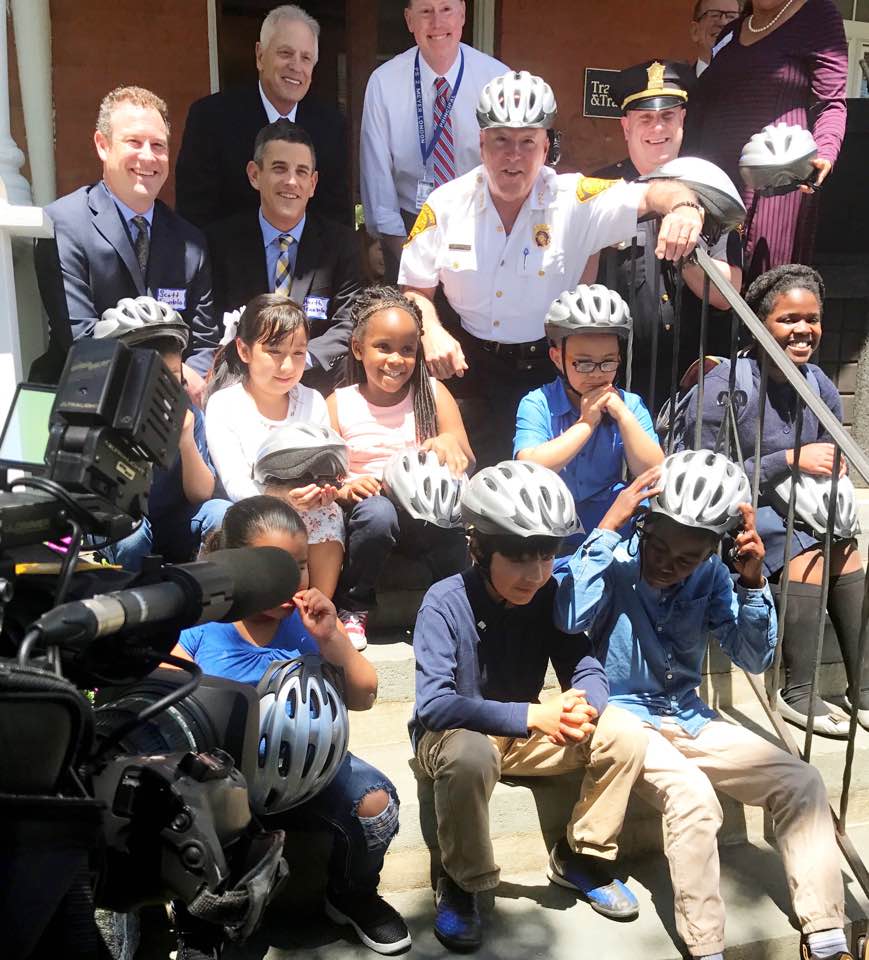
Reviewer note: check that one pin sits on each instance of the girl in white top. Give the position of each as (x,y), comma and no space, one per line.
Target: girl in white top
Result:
(391,404)
(256,388)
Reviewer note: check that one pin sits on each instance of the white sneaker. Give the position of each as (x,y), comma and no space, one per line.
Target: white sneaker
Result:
(355,622)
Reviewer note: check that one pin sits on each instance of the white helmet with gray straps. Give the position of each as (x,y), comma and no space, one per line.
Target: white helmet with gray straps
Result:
(587,309)
(779,157)
(140,319)
(516,100)
(812,504)
(702,489)
(417,482)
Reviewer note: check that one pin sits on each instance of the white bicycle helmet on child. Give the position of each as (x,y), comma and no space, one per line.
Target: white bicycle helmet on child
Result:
(301,453)
(778,159)
(812,504)
(519,498)
(135,320)
(701,489)
(587,309)
(418,483)
(303,733)
(517,100)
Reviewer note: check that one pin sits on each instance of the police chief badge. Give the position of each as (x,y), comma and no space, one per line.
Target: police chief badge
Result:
(425,220)
(655,74)
(542,235)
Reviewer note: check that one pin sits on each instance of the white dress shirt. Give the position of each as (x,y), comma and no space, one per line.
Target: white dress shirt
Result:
(271,111)
(700,66)
(501,285)
(390,158)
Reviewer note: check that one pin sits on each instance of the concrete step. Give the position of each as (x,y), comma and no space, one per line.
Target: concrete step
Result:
(527,816)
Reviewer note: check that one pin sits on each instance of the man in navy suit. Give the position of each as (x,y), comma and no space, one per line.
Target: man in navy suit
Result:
(115,239)
(322,272)
(210,179)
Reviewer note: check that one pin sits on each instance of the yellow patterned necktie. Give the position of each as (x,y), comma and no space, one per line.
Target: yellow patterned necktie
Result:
(283,274)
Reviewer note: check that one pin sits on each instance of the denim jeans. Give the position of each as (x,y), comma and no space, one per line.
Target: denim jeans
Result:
(360,843)
(374,527)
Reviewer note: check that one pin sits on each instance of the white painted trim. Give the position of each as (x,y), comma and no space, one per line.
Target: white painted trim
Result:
(16,188)
(213,53)
(484,26)
(857,34)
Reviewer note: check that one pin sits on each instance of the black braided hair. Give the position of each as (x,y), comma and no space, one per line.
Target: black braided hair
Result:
(382,297)
(768,287)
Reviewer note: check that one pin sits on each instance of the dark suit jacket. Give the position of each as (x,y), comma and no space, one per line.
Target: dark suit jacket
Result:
(90,264)
(327,265)
(210,175)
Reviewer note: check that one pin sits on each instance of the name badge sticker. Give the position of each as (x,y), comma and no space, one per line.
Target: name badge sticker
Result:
(317,308)
(172,298)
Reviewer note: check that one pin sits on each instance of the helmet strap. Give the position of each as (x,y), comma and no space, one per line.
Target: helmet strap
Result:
(568,385)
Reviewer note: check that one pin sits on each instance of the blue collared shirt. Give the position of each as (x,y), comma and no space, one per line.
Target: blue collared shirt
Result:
(594,475)
(271,241)
(127,213)
(652,642)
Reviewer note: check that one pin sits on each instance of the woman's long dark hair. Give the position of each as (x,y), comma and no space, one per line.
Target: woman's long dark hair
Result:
(373,300)
(268,319)
(252,517)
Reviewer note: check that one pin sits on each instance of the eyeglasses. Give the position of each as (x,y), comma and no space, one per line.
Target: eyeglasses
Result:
(589,366)
(728,16)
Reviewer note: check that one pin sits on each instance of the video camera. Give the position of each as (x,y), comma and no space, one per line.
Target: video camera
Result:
(142,798)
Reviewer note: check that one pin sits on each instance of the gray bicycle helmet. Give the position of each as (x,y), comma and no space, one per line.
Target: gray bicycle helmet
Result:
(303,733)
(701,489)
(587,309)
(715,190)
(521,498)
(516,100)
(301,452)
(136,320)
(415,481)
(778,158)
(812,504)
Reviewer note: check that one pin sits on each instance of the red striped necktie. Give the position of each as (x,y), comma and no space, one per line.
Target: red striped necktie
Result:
(444,151)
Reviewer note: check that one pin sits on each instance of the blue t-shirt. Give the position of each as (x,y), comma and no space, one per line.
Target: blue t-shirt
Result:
(166,498)
(594,475)
(221,651)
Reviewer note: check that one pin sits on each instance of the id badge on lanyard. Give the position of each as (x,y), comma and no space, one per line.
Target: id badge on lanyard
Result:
(425,186)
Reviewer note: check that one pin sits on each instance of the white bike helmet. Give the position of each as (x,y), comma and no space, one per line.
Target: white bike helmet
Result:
(701,489)
(301,453)
(143,318)
(587,309)
(715,190)
(779,157)
(303,733)
(520,498)
(812,504)
(419,484)
(516,100)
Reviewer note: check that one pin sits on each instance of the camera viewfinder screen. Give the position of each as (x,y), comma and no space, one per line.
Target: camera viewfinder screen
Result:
(25,435)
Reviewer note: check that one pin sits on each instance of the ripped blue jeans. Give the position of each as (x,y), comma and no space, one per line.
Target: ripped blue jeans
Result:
(360,843)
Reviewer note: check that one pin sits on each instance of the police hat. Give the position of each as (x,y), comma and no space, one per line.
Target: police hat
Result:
(653,85)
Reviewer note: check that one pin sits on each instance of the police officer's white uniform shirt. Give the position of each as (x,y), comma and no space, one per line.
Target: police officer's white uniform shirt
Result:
(502,286)
(390,159)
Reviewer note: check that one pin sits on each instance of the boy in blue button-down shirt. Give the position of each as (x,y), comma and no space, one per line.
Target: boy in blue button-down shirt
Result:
(648,604)
(581,425)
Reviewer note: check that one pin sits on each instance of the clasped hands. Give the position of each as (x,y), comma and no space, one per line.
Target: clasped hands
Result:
(563,719)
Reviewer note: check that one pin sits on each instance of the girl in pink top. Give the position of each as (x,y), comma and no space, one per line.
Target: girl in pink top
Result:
(391,404)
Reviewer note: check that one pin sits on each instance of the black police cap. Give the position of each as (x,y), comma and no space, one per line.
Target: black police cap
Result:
(653,85)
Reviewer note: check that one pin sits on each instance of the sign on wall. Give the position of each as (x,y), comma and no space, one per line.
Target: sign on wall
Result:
(596,100)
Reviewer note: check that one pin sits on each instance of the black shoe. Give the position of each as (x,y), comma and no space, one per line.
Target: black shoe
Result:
(591,878)
(457,920)
(378,925)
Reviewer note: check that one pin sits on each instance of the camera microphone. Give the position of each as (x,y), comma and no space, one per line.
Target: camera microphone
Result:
(230,585)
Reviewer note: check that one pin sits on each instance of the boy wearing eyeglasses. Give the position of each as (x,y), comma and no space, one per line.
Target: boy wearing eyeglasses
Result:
(581,425)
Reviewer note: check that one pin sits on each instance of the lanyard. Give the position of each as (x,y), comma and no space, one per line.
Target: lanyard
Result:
(426,151)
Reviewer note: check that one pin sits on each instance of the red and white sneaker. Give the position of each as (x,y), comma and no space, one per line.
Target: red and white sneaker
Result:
(355,622)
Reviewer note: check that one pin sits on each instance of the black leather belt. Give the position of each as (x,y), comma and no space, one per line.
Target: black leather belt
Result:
(521,355)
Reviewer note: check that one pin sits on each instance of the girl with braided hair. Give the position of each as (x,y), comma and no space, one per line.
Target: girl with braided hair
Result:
(388,405)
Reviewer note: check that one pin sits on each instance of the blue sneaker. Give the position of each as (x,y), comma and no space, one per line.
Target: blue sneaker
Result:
(457,920)
(590,877)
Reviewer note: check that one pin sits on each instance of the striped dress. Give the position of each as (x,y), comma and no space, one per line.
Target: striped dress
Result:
(797,73)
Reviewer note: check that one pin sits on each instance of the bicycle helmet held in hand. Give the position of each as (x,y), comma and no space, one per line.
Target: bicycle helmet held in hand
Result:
(778,159)
(135,321)
(701,489)
(303,733)
(587,309)
(516,100)
(520,498)
(415,481)
(301,453)
(812,504)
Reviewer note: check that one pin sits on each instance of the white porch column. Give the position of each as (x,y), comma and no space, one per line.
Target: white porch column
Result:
(11,158)
(484,26)
(32,20)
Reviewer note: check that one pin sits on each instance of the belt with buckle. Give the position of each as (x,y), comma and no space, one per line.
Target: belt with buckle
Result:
(522,355)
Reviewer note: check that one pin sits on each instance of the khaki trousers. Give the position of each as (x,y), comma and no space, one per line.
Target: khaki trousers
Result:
(680,777)
(466,765)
